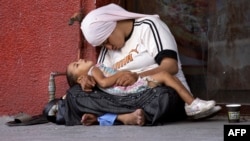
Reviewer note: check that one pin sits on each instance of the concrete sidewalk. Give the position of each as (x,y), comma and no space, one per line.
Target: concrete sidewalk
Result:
(207,130)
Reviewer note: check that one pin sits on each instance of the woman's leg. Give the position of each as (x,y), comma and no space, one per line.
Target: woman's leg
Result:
(89,119)
(134,118)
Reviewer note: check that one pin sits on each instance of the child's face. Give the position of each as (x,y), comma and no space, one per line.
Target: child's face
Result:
(81,67)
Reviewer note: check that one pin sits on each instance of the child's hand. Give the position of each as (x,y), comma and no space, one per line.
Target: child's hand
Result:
(87,83)
(127,78)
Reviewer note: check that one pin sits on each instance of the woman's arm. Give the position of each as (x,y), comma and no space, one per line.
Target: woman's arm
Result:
(167,64)
(162,47)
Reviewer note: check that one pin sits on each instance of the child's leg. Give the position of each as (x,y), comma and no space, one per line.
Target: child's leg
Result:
(193,106)
(170,80)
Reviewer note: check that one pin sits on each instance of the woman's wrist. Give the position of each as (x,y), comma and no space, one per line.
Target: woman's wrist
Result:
(137,75)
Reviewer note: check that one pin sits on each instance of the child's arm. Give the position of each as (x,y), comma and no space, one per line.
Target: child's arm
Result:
(104,81)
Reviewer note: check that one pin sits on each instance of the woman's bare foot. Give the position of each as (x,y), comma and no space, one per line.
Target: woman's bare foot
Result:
(135,118)
(89,119)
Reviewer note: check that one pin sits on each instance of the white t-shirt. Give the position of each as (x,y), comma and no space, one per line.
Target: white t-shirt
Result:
(150,36)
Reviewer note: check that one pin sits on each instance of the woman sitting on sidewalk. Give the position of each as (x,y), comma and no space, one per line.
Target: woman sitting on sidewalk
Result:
(106,78)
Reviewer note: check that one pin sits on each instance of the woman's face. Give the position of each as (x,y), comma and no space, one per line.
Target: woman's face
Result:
(81,67)
(115,41)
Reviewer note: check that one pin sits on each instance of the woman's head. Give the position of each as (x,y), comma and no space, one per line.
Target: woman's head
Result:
(100,23)
(116,40)
(76,70)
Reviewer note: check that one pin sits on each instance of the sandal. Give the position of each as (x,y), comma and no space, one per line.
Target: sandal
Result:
(23,119)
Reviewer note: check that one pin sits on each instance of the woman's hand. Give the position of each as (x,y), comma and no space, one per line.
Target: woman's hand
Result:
(127,78)
(87,83)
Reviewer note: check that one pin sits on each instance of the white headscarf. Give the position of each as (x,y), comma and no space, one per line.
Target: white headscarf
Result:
(100,23)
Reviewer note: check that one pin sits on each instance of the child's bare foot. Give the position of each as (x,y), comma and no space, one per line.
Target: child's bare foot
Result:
(89,119)
(135,118)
